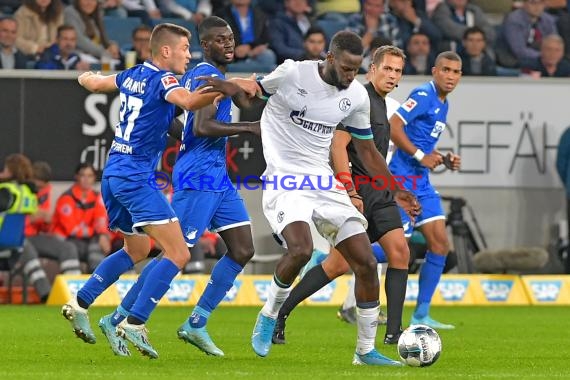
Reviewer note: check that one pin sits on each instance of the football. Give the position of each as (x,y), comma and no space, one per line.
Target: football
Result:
(419,346)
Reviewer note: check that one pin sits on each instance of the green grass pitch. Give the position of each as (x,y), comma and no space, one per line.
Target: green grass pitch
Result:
(488,343)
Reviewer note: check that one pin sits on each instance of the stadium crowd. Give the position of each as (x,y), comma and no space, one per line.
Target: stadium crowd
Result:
(503,37)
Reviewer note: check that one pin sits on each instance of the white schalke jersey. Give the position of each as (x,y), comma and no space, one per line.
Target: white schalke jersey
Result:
(301,115)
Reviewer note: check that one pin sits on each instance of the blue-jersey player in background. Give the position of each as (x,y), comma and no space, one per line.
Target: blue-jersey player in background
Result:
(149,93)
(204,196)
(415,130)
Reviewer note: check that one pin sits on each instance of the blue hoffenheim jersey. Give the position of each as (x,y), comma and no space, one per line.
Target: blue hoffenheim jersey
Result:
(424,117)
(201,163)
(144,119)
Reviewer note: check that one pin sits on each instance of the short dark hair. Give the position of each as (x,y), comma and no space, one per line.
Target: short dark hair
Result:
(162,32)
(473,30)
(346,41)
(209,23)
(143,27)
(314,30)
(451,55)
(63,28)
(42,171)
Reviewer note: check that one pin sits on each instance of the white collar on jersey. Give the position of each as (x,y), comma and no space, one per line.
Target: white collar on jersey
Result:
(151,66)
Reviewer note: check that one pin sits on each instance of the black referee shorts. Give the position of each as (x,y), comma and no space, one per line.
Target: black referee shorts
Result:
(381,212)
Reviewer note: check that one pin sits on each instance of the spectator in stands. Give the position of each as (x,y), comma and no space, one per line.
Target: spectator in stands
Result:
(551,62)
(525,28)
(373,22)
(38,21)
(141,43)
(8,7)
(87,19)
(336,9)
(420,59)
(251,34)
(146,10)
(410,21)
(288,30)
(476,61)
(563,169)
(10,56)
(38,226)
(80,218)
(190,10)
(18,169)
(453,17)
(369,53)
(315,45)
(62,55)
(114,8)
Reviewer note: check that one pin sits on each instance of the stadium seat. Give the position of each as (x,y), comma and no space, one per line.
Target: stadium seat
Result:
(331,26)
(120,29)
(11,247)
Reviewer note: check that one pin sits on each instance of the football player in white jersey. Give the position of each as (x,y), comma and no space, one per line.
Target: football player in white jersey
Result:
(307,100)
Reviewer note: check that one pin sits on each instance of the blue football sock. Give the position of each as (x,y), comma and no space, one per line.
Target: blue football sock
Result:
(430,274)
(155,286)
(129,300)
(379,253)
(221,280)
(106,273)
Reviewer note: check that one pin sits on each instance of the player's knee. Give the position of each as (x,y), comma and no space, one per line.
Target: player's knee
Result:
(243,254)
(365,267)
(440,246)
(299,251)
(179,257)
(399,256)
(335,268)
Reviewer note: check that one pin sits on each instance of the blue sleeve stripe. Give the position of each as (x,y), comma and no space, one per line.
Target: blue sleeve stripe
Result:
(358,131)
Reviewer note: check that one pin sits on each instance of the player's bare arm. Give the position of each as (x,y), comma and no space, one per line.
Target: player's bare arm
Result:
(190,100)
(340,165)
(95,82)
(241,90)
(206,125)
(398,136)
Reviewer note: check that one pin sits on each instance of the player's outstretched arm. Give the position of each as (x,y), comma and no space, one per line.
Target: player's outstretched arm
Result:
(191,101)
(206,125)
(340,165)
(95,82)
(401,140)
(241,90)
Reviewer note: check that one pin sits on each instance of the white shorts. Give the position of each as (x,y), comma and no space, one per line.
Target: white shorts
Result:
(327,209)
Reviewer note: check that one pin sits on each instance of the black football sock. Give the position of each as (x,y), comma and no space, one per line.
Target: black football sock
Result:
(395,285)
(313,280)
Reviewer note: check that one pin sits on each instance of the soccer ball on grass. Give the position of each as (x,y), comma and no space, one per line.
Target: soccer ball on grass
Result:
(419,346)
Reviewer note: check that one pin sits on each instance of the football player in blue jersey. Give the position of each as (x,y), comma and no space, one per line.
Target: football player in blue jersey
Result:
(415,130)
(201,182)
(149,94)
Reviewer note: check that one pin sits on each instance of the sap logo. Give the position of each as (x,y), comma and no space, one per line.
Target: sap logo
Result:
(453,290)
(325,293)
(546,291)
(75,285)
(262,289)
(180,290)
(496,290)
(412,289)
(123,287)
(233,292)
(437,129)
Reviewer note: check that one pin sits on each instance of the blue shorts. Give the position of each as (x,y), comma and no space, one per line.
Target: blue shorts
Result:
(431,210)
(215,211)
(132,204)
